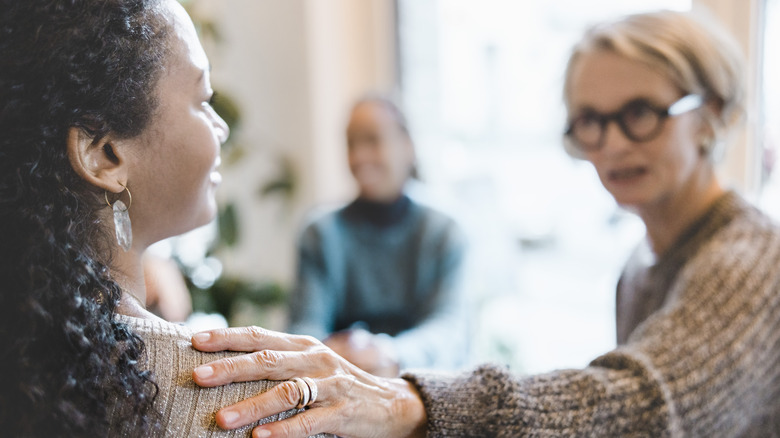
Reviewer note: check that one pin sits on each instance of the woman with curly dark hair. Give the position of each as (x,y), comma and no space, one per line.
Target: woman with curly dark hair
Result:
(108,144)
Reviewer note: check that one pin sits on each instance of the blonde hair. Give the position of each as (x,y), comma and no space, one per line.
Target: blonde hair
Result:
(692,50)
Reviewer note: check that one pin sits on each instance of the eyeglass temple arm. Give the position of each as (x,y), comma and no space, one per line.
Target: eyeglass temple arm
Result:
(685,104)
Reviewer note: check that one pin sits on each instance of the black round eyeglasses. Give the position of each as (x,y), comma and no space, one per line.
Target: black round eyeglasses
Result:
(639,120)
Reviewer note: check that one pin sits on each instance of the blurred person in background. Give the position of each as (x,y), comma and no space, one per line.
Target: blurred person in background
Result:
(380,280)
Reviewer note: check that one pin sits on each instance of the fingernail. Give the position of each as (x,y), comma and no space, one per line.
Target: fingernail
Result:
(201,337)
(262,433)
(229,417)
(204,372)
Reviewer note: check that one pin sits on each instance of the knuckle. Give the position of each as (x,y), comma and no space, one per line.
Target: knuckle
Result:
(309,341)
(229,365)
(256,333)
(266,359)
(322,357)
(288,394)
(253,409)
(328,358)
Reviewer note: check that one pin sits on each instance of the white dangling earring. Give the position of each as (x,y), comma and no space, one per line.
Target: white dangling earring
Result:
(124,230)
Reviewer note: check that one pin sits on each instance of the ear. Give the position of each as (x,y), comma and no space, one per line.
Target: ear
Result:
(97,161)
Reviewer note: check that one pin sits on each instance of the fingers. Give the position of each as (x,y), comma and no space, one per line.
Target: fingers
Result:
(280,398)
(305,424)
(266,365)
(249,339)
(261,365)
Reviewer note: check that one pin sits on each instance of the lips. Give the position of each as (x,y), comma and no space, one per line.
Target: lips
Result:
(215,177)
(626,174)
(366,173)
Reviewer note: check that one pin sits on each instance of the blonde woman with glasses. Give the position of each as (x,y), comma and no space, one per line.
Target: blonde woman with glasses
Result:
(649,99)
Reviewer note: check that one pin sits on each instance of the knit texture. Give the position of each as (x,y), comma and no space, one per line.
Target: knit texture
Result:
(186,409)
(705,363)
(401,277)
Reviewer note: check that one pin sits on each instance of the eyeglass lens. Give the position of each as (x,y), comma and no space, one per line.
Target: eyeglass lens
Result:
(637,119)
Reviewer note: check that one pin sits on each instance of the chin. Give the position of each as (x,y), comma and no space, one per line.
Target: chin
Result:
(209,217)
(632,203)
(201,218)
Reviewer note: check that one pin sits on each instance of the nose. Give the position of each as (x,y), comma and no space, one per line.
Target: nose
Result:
(223,130)
(358,151)
(614,139)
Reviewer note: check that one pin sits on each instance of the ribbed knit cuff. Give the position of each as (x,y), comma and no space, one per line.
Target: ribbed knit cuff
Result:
(456,403)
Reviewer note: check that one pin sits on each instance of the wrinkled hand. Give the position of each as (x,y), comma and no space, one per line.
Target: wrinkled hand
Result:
(369,352)
(350,403)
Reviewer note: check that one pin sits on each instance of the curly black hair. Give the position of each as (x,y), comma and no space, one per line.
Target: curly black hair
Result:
(67,366)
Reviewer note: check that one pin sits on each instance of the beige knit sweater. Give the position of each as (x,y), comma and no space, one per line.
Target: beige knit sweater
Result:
(186,409)
(704,363)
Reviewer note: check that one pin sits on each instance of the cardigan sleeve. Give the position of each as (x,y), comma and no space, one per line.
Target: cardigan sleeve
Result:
(706,364)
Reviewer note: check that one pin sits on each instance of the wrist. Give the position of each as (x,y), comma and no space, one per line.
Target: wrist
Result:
(410,408)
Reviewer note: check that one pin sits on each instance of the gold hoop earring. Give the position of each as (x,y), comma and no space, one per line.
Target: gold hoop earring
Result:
(129,197)
(122,225)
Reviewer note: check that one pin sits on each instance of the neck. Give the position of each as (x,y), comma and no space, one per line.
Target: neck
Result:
(668,218)
(380,213)
(127,270)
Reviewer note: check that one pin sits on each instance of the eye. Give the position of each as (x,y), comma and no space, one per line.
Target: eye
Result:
(586,121)
(638,111)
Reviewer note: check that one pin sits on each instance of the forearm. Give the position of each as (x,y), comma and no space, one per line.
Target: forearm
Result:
(490,401)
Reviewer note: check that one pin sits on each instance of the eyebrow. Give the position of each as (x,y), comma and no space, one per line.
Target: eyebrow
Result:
(635,99)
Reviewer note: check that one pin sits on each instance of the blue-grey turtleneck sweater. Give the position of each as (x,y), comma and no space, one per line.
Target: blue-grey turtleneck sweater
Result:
(389,268)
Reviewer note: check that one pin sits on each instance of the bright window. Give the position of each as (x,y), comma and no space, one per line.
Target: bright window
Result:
(770,117)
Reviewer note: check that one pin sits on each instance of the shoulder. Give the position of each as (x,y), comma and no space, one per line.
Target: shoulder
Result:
(746,233)
(321,221)
(187,409)
(168,343)
(747,248)
(321,216)
(436,220)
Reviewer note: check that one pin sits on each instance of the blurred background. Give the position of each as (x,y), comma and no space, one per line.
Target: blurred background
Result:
(480,82)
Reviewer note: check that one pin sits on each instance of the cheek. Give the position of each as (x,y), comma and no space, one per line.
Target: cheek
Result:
(191,161)
(680,154)
(597,163)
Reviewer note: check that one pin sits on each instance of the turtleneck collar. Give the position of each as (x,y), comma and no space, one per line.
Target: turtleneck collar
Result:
(381,214)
